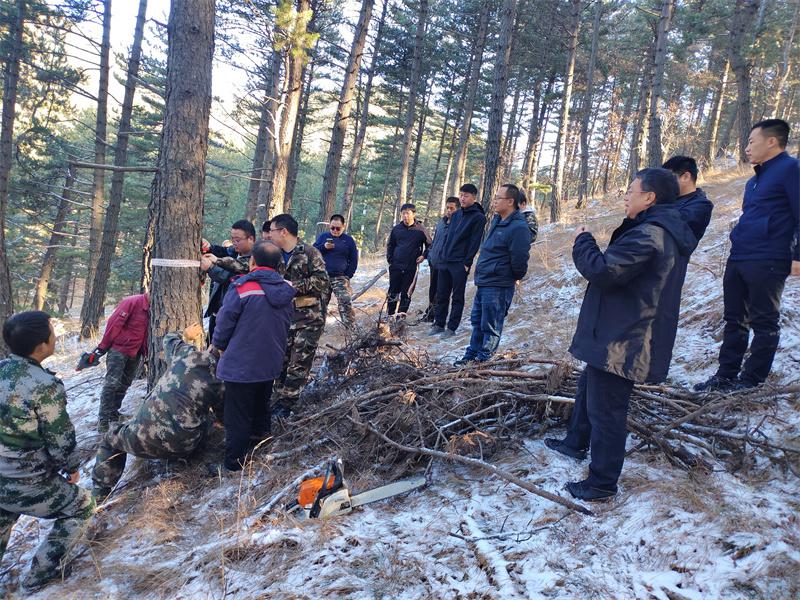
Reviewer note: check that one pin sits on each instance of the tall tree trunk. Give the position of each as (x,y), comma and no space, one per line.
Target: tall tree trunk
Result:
(49,259)
(299,132)
(506,159)
(583,178)
(92,310)
(358,144)
(332,165)
(67,266)
(474,77)
(785,67)
(10,87)
(264,201)
(563,128)
(413,92)
(450,155)
(257,173)
(175,293)
(740,64)
(635,154)
(423,116)
(295,59)
(712,126)
(540,104)
(440,150)
(655,158)
(98,179)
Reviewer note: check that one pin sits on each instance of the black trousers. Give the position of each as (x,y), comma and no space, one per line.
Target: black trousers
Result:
(246,418)
(400,282)
(752,295)
(432,286)
(600,421)
(452,282)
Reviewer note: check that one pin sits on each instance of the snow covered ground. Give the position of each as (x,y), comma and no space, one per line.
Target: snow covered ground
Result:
(170,532)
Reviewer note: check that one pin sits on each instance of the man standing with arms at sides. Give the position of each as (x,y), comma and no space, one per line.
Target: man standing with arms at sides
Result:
(502,263)
(435,256)
(407,247)
(341,261)
(693,204)
(460,246)
(761,259)
(305,270)
(222,264)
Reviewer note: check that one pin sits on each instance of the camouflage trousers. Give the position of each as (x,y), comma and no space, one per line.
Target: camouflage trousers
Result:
(133,439)
(343,292)
(47,497)
(300,350)
(120,371)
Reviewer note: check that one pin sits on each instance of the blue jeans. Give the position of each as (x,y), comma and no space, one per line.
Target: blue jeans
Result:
(489,309)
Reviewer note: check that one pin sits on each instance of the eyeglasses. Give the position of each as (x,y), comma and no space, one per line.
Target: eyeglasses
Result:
(629,192)
(271,229)
(335,228)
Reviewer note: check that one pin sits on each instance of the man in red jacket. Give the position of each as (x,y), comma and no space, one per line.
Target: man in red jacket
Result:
(125,341)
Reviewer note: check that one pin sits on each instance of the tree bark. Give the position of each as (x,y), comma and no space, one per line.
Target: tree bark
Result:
(49,259)
(411,108)
(264,200)
(299,132)
(358,144)
(634,156)
(740,64)
(785,67)
(563,128)
(541,102)
(440,150)
(423,116)
(583,179)
(655,158)
(257,173)
(474,77)
(334,161)
(93,308)
(175,293)
(98,179)
(712,127)
(10,88)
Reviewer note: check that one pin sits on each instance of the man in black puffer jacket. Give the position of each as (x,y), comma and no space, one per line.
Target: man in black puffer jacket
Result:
(407,247)
(627,323)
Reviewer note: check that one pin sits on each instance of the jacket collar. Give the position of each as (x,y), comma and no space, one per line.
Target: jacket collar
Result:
(759,169)
(30,361)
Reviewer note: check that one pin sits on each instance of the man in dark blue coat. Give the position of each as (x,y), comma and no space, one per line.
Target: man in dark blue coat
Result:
(435,256)
(251,335)
(503,262)
(407,247)
(626,328)
(340,254)
(760,261)
(458,251)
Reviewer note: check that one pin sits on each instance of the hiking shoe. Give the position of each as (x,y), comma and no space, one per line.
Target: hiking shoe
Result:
(463,362)
(560,447)
(716,383)
(448,333)
(436,330)
(581,490)
(744,384)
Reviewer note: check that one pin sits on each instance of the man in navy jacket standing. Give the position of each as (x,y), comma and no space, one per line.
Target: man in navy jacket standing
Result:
(340,254)
(760,260)
(407,247)
(502,263)
(460,246)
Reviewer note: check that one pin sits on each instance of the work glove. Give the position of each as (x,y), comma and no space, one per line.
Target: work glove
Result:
(90,359)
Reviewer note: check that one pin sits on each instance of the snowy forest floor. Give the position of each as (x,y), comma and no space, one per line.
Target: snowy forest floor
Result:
(170,532)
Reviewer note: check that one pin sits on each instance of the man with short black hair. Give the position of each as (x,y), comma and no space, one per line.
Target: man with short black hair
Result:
(305,269)
(435,257)
(341,261)
(265,231)
(503,262)
(761,259)
(38,462)
(458,251)
(692,203)
(407,247)
(627,323)
(223,264)
(251,336)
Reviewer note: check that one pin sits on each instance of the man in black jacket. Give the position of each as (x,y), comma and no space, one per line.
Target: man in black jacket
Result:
(627,323)
(435,255)
(460,247)
(407,247)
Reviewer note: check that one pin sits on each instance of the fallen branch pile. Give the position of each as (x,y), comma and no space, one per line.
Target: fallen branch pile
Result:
(382,407)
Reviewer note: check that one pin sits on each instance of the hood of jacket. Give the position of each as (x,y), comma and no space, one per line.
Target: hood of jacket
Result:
(669,218)
(278,292)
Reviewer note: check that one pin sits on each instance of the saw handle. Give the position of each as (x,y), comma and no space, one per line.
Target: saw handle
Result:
(334,470)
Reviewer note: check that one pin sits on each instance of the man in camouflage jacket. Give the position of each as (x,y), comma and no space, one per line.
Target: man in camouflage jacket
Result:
(38,463)
(305,270)
(173,419)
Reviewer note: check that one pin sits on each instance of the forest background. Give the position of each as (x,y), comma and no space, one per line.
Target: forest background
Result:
(352,107)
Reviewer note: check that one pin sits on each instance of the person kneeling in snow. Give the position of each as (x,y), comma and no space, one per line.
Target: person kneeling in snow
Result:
(174,418)
(627,324)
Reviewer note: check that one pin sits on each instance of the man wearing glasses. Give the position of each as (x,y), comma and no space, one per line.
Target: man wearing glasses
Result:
(305,270)
(341,260)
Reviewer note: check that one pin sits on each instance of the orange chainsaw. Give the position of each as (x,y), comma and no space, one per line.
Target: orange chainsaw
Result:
(329,495)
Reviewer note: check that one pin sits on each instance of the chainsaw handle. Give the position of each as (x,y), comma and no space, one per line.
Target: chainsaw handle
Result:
(334,469)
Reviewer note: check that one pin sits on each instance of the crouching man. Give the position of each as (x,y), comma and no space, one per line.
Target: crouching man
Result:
(174,417)
(627,324)
(38,464)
